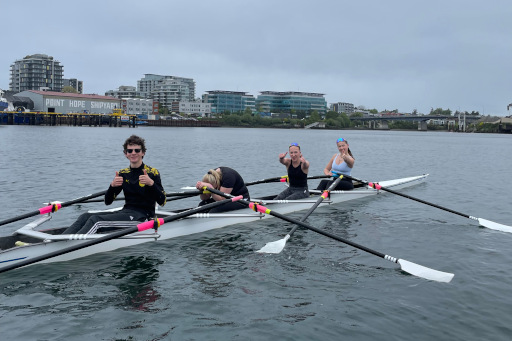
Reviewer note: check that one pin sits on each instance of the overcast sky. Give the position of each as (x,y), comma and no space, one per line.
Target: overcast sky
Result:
(404,55)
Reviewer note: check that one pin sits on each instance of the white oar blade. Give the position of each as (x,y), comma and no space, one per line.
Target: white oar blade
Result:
(494,226)
(424,272)
(274,247)
(188,187)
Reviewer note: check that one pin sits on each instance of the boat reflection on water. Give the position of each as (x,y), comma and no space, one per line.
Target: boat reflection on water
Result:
(134,277)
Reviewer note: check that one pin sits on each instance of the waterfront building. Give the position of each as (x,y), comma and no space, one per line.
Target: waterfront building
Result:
(196,108)
(141,107)
(65,103)
(74,83)
(36,72)
(307,102)
(342,107)
(229,101)
(124,91)
(166,89)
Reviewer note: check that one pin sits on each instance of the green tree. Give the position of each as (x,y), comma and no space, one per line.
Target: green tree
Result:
(163,110)
(69,89)
(331,115)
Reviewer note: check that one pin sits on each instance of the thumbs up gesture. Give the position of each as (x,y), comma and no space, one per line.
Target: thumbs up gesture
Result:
(145,179)
(118,181)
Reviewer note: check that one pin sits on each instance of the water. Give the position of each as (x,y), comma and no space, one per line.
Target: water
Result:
(213,286)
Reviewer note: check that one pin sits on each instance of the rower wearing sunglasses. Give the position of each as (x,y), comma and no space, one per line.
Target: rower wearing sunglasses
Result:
(297,167)
(340,163)
(141,186)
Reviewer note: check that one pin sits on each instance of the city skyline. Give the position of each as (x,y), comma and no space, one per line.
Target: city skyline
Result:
(400,55)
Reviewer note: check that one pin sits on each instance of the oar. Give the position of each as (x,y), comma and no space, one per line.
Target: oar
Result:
(172,195)
(283,178)
(412,268)
(278,245)
(140,227)
(483,222)
(51,208)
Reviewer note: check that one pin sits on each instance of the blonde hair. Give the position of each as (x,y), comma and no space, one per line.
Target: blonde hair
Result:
(213,177)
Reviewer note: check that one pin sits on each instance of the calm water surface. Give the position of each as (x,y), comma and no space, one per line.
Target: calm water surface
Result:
(213,286)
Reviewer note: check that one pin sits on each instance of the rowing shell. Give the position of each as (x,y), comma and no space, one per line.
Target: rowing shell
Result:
(48,241)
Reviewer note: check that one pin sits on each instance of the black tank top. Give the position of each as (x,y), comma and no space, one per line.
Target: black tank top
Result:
(297,177)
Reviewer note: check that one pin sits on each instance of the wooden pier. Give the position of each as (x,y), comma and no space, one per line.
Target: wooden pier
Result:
(71,119)
(94,120)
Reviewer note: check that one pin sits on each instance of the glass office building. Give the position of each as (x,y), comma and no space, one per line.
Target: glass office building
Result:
(285,102)
(232,101)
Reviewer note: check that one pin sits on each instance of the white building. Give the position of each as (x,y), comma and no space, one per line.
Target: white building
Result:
(342,107)
(195,108)
(138,106)
(124,91)
(65,103)
(167,89)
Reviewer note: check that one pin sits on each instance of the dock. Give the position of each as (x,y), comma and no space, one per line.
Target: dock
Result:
(71,119)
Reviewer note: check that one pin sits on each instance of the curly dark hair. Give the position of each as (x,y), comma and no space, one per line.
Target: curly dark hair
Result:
(134,139)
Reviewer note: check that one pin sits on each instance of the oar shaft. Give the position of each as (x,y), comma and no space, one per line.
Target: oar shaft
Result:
(280,178)
(379,187)
(319,201)
(412,268)
(262,209)
(47,209)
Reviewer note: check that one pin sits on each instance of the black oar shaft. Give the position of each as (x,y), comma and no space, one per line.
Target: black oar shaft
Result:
(262,209)
(377,186)
(112,235)
(280,178)
(64,204)
(317,203)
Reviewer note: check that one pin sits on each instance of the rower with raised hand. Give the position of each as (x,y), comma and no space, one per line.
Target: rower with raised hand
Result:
(142,188)
(339,164)
(226,180)
(297,167)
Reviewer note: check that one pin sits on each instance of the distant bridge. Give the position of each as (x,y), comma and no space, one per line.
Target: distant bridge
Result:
(381,122)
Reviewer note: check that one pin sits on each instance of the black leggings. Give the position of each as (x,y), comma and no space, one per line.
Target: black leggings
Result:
(343,185)
(230,206)
(87,220)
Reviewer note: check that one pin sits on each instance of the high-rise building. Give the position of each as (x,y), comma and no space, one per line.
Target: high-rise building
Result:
(232,101)
(166,89)
(74,83)
(285,102)
(36,72)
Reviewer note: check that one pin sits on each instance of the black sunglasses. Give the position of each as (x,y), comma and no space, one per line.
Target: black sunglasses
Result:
(130,150)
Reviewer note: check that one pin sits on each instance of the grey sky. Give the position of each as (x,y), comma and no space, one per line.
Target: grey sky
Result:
(401,55)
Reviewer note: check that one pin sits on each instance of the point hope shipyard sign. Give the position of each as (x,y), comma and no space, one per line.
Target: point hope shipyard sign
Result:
(73,104)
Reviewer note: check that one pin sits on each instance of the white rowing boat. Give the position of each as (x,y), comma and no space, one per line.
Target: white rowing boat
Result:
(46,242)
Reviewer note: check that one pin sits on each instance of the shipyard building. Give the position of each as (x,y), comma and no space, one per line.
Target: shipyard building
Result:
(65,103)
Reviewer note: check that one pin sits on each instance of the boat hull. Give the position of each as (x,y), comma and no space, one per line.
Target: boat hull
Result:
(197,223)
